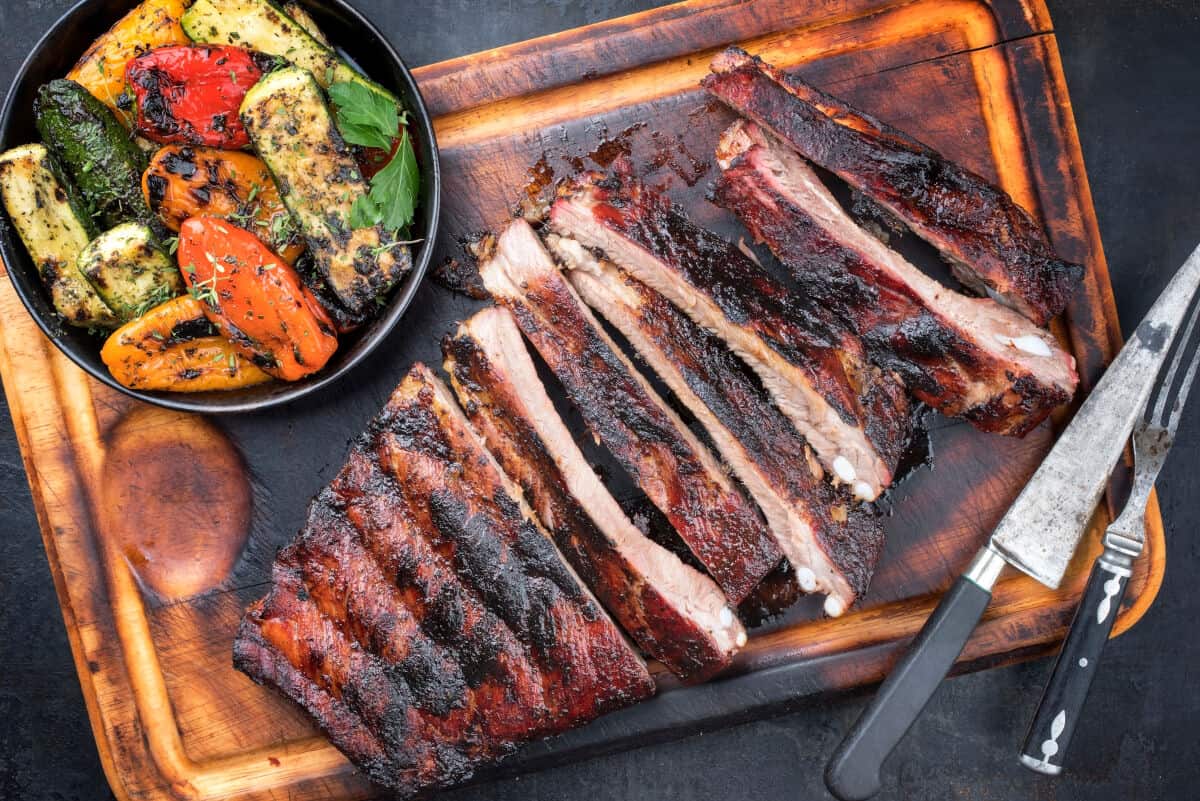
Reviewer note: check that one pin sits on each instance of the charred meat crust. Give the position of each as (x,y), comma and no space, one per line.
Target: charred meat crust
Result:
(667,461)
(992,243)
(423,617)
(757,440)
(460,276)
(942,345)
(266,664)
(800,350)
(662,623)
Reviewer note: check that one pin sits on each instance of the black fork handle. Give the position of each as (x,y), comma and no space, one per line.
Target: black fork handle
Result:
(1059,710)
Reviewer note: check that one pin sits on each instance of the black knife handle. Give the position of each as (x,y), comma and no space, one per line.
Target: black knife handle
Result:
(1062,702)
(853,772)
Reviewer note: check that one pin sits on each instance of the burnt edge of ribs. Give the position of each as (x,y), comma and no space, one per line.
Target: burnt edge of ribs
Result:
(967,357)
(855,416)
(675,470)
(423,617)
(675,613)
(832,544)
(992,244)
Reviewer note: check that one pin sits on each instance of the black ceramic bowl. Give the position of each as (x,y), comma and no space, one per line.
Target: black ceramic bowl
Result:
(367,48)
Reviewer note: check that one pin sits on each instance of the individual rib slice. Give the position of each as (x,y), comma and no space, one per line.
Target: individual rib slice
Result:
(992,244)
(667,461)
(967,357)
(424,617)
(855,417)
(832,548)
(674,612)
(283,667)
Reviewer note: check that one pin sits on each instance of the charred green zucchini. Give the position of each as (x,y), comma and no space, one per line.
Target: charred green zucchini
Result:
(55,227)
(128,270)
(264,26)
(305,21)
(343,318)
(294,133)
(95,149)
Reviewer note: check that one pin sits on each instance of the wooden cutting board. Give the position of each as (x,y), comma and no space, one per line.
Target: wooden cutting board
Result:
(160,527)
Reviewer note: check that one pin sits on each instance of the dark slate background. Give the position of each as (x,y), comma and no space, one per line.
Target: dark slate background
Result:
(1132,68)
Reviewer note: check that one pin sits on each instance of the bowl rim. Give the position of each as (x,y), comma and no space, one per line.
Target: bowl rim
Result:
(209,402)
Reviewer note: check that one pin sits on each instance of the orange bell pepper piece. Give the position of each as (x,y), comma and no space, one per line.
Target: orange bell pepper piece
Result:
(257,301)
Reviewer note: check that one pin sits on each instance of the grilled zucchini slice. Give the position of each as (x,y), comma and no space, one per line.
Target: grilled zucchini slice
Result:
(295,135)
(55,227)
(96,150)
(128,270)
(264,26)
(305,21)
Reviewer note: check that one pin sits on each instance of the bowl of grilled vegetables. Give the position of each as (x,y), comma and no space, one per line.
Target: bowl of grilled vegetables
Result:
(211,206)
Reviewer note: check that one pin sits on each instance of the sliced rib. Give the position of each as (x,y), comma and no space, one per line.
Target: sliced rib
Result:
(424,617)
(673,468)
(832,547)
(502,689)
(967,357)
(674,612)
(993,245)
(855,417)
(280,668)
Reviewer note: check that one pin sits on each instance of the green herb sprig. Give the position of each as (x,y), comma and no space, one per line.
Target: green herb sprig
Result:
(369,119)
(364,117)
(161,294)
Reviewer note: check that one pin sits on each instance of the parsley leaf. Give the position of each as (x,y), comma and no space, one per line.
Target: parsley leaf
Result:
(364,117)
(364,213)
(372,120)
(393,196)
(394,188)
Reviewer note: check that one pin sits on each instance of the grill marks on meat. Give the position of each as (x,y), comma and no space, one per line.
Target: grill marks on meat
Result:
(501,551)
(667,461)
(855,417)
(490,656)
(966,357)
(346,584)
(423,617)
(281,667)
(992,244)
(675,613)
(832,547)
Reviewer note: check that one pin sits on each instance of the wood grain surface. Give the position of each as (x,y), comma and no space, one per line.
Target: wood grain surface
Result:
(160,527)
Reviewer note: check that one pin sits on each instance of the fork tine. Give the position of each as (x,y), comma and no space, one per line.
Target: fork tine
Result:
(1176,409)
(1157,403)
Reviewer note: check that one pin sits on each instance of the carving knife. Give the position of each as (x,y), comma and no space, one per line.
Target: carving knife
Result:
(1037,535)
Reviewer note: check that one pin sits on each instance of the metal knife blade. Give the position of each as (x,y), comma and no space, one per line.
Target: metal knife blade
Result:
(1039,533)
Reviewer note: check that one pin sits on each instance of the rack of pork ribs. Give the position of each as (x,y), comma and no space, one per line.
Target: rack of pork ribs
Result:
(468,583)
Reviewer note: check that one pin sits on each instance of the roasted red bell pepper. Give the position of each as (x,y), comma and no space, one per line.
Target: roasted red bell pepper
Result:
(373,159)
(257,301)
(190,94)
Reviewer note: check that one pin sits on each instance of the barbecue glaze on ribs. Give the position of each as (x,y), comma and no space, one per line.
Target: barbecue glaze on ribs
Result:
(992,244)
(674,612)
(831,542)
(424,617)
(855,417)
(675,470)
(966,357)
